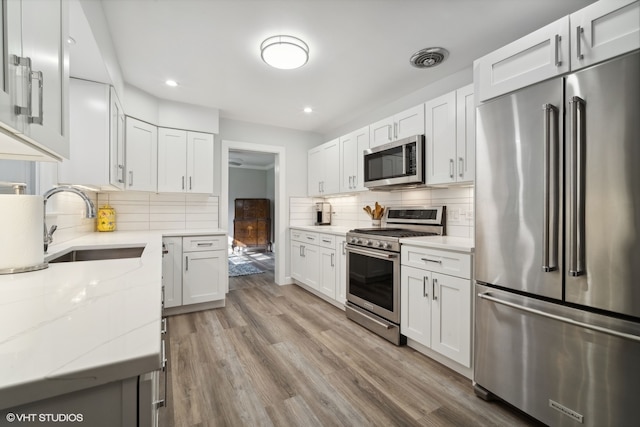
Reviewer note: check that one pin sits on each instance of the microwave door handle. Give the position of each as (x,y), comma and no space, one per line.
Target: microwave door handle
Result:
(404,160)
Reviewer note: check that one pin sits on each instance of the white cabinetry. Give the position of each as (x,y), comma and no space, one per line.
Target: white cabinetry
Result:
(535,57)
(328,266)
(402,125)
(323,162)
(185,161)
(435,301)
(172,271)
(450,137)
(603,30)
(305,258)
(194,272)
(142,155)
(97,155)
(34,109)
(341,282)
(352,147)
(600,31)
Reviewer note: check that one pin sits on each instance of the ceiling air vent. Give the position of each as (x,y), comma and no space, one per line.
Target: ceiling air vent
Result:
(429,57)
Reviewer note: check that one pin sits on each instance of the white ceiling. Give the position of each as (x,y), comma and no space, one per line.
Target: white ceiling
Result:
(359,50)
(251,159)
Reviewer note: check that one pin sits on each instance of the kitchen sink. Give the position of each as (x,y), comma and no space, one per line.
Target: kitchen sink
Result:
(98,254)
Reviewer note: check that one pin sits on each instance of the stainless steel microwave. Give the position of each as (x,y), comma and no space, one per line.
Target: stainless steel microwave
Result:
(399,163)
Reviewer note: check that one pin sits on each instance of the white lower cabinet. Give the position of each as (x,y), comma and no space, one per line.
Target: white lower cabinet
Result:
(194,272)
(435,308)
(316,263)
(341,282)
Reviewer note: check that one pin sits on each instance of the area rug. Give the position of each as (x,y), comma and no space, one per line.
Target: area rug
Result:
(239,266)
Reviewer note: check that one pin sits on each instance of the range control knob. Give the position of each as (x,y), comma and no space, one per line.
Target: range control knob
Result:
(387,246)
(353,240)
(380,244)
(368,242)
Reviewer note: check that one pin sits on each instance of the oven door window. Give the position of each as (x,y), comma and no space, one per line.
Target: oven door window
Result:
(371,279)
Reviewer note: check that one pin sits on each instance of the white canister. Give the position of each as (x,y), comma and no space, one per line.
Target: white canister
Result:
(21,233)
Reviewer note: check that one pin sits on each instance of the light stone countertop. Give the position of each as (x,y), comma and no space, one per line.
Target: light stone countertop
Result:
(77,325)
(451,243)
(325,229)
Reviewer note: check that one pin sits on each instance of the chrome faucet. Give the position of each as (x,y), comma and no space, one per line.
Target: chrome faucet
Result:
(91,210)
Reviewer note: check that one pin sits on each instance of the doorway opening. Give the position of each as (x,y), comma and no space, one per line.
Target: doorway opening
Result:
(254,174)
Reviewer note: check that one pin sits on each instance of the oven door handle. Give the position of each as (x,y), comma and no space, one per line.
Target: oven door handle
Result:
(375,254)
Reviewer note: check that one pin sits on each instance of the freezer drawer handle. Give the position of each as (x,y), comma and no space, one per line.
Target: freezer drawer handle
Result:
(576,179)
(487,296)
(550,186)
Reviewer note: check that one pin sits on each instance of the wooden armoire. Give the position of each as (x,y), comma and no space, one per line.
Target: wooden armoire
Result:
(252,224)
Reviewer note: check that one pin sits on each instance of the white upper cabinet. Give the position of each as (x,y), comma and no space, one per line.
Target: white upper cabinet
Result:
(402,125)
(465,134)
(142,155)
(185,161)
(450,137)
(535,57)
(172,160)
(199,162)
(603,30)
(96,149)
(323,169)
(352,147)
(34,107)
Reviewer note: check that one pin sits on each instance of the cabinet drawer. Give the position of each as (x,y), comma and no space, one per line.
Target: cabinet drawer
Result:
(203,243)
(327,240)
(439,261)
(305,237)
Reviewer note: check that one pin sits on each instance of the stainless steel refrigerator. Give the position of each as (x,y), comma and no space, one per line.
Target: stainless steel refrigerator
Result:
(557,331)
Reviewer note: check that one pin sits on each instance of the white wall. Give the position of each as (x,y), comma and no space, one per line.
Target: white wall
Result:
(449,83)
(296,144)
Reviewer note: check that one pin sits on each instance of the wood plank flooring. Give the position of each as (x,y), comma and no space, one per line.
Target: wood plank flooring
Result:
(280,356)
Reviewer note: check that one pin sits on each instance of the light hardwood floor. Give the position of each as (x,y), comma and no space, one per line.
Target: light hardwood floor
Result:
(278,355)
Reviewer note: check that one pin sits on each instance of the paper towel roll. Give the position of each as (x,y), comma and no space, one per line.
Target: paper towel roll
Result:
(21,231)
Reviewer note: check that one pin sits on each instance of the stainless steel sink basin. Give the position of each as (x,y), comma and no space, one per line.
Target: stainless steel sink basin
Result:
(98,254)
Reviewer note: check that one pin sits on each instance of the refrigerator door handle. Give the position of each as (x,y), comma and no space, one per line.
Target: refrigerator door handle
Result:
(487,296)
(550,186)
(576,179)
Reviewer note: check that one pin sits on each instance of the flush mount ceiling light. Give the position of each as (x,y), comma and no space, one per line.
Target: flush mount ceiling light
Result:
(171,83)
(429,57)
(308,110)
(284,52)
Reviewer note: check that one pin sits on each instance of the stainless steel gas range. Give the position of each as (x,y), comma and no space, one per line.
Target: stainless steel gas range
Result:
(373,267)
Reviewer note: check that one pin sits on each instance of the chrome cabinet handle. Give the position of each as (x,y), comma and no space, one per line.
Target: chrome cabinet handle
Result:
(204,244)
(162,402)
(550,188)
(121,174)
(351,182)
(389,133)
(344,249)
(576,179)
(460,167)
(20,61)
(300,250)
(558,62)
(183,182)
(451,168)
(579,31)
(39,120)
(395,130)
(332,260)
(130,178)
(425,294)
(439,261)
(487,296)
(186,263)
(163,331)
(434,285)
(190,183)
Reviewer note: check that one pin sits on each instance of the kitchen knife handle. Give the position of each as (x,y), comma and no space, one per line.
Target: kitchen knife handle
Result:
(576,179)
(550,188)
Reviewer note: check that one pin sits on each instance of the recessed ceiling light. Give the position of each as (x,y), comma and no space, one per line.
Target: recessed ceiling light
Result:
(308,110)
(284,52)
(71,40)
(171,83)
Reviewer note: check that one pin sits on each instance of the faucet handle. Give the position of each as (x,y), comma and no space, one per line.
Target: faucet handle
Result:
(52,230)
